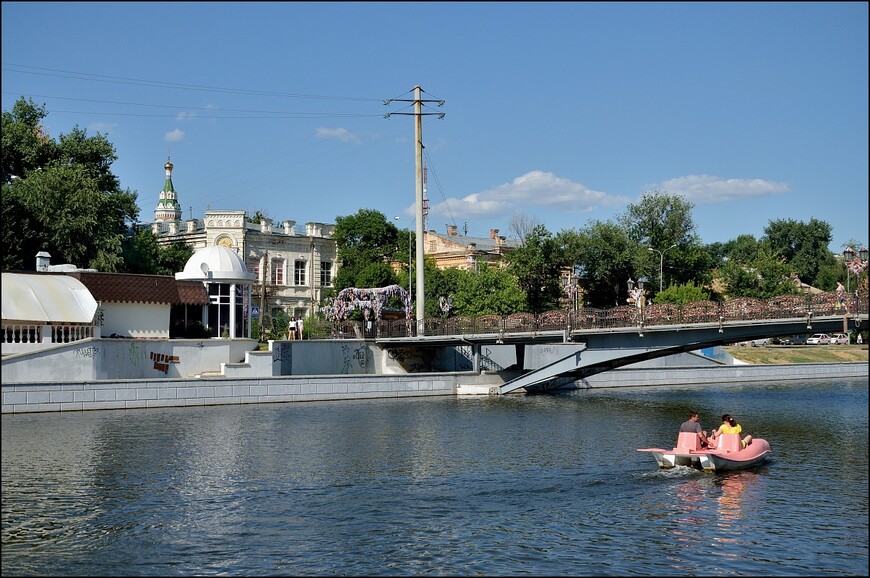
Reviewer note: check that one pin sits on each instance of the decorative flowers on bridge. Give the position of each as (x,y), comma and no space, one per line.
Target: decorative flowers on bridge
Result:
(367,300)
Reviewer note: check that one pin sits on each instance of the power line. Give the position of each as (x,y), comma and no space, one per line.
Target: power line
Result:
(248,113)
(438,184)
(90,77)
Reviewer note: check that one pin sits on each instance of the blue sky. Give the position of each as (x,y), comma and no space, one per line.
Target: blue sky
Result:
(559,112)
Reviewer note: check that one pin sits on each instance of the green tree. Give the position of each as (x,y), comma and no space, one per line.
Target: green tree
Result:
(742,249)
(768,275)
(257,218)
(605,257)
(659,220)
(487,291)
(366,244)
(439,283)
(26,145)
(803,245)
(537,266)
(172,258)
(142,254)
(63,195)
(405,247)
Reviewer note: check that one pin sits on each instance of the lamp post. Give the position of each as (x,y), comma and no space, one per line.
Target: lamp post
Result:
(661,264)
(410,292)
(636,297)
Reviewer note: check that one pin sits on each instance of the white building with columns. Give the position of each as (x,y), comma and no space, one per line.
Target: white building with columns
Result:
(292,266)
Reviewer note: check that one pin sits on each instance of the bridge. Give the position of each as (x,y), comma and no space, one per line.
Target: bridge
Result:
(557,348)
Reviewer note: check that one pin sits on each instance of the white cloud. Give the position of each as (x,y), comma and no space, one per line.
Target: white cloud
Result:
(341,134)
(174,136)
(103,127)
(709,190)
(535,189)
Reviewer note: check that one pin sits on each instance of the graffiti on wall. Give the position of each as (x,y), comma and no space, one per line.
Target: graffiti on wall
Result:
(134,354)
(357,355)
(282,356)
(162,361)
(410,359)
(90,352)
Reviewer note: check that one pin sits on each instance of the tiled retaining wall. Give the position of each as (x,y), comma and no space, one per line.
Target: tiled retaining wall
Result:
(143,393)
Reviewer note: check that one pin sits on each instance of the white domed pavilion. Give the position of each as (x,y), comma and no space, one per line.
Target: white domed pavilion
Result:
(228,282)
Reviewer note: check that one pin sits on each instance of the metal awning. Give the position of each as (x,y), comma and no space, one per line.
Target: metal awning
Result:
(46,298)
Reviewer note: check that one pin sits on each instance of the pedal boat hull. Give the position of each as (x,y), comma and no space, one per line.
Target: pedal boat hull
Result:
(727,455)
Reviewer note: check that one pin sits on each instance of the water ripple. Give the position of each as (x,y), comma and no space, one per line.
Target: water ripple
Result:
(540,485)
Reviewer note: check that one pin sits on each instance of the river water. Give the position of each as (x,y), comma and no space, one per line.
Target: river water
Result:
(512,485)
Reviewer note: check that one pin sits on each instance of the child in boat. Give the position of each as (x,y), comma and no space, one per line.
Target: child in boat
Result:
(730,426)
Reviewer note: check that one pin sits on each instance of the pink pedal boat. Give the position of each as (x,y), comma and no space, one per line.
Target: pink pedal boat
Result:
(727,455)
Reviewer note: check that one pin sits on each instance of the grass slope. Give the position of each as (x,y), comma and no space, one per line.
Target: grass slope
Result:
(800,353)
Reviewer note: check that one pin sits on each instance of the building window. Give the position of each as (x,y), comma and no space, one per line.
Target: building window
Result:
(277,271)
(254,267)
(299,273)
(219,309)
(325,274)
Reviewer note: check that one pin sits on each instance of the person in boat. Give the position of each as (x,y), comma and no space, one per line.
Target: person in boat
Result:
(730,426)
(693,425)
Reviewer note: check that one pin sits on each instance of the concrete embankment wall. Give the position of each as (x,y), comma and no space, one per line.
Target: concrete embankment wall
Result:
(145,393)
(737,374)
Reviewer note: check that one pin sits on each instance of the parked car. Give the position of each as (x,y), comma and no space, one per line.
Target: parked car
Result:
(839,339)
(819,339)
(755,342)
(793,340)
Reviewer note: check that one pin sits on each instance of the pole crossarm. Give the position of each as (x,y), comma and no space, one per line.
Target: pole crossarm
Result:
(438,114)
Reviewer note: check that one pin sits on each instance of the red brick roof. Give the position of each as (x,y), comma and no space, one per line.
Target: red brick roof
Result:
(126,287)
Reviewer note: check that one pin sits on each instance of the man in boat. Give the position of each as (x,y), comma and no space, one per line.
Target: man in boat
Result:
(692,425)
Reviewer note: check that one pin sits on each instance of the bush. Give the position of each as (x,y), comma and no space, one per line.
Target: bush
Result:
(197,330)
(682,294)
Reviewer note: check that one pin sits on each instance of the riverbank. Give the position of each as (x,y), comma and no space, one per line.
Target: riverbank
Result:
(779,354)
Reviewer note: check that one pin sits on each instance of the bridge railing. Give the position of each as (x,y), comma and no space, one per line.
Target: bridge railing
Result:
(653,314)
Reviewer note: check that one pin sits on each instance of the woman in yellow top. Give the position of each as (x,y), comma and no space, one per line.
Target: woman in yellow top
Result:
(730,426)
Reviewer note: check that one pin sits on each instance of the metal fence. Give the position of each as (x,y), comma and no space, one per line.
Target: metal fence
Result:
(740,309)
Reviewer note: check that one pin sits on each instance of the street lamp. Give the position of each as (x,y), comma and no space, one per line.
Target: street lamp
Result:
(410,292)
(661,264)
(640,283)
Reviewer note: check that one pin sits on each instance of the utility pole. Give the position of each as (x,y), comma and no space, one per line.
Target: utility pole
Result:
(263,296)
(418,163)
